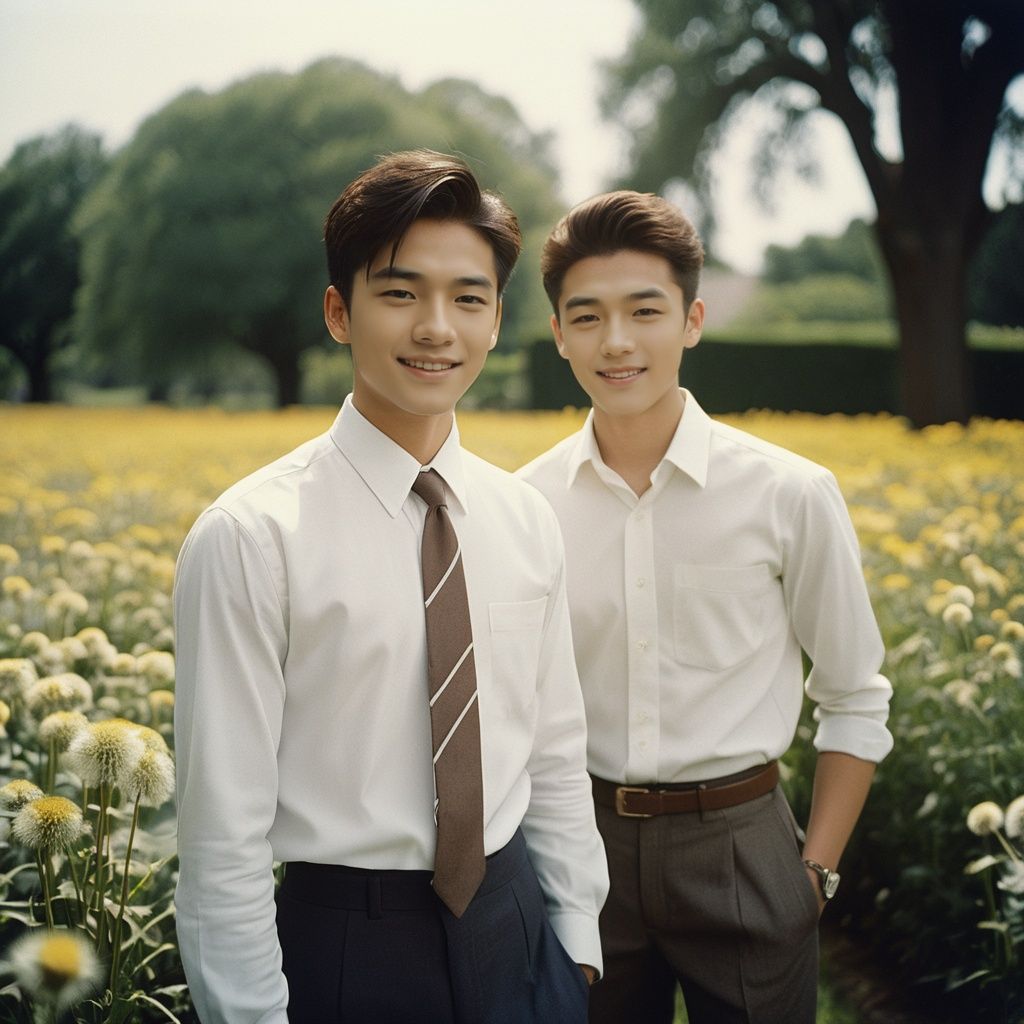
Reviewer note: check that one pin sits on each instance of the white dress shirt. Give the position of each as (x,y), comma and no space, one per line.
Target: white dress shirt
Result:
(690,605)
(302,719)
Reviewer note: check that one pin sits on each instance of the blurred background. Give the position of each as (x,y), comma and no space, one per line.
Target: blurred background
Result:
(855,168)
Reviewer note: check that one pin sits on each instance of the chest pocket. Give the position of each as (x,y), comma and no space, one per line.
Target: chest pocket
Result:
(718,613)
(516,628)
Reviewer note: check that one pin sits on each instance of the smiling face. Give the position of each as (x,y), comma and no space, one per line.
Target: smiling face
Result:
(419,330)
(623,327)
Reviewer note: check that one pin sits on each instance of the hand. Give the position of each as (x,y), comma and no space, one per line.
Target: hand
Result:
(816,883)
(589,973)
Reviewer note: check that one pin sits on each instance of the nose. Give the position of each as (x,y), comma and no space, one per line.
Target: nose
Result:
(435,327)
(617,339)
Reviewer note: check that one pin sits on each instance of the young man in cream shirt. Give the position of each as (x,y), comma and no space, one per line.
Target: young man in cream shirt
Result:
(305,729)
(700,561)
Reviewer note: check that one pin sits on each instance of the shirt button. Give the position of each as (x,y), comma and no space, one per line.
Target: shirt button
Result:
(642,744)
(640,582)
(642,644)
(643,716)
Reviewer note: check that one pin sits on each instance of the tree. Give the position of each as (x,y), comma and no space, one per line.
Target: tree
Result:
(938,69)
(854,252)
(40,187)
(996,284)
(206,233)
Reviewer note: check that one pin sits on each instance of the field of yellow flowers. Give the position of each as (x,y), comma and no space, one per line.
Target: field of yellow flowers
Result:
(95,504)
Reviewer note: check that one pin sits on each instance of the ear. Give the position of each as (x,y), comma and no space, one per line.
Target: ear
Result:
(336,316)
(556,330)
(694,323)
(497,327)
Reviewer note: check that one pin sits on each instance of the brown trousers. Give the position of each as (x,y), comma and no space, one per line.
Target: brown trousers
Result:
(717,902)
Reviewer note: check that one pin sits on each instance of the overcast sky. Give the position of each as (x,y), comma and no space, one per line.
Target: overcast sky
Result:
(108,63)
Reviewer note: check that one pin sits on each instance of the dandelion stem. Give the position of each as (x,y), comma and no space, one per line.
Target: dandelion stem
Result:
(78,889)
(115,961)
(44,882)
(51,767)
(1008,847)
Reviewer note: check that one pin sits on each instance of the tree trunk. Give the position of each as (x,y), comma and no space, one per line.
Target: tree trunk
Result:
(927,267)
(286,373)
(39,384)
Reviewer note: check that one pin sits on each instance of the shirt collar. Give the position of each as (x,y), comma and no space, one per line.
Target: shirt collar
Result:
(386,467)
(689,449)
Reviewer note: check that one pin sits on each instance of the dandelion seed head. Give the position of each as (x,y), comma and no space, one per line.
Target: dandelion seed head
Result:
(985,818)
(17,793)
(16,676)
(157,666)
(152,778)
(73,649)
(104,752)
(34,642)
(5,717)
(1001,651)
(49,823)
(957,615)
(1015,818)
(960,595)
(57,968)
(61,727)
(65,602)
(961,692)
(1012,630)
(123,664)
(161,700)
(64,692)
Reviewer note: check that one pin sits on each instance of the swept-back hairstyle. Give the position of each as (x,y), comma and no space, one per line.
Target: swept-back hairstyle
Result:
(379,207)
(615,221)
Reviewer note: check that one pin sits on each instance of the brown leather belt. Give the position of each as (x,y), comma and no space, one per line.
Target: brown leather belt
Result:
(650,801)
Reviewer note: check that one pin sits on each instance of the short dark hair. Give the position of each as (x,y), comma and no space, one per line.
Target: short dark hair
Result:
(379,207)
(615,221)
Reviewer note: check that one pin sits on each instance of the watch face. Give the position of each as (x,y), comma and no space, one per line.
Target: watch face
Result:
(831,884)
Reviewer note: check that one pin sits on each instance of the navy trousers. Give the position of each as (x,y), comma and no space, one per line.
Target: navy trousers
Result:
(379,946)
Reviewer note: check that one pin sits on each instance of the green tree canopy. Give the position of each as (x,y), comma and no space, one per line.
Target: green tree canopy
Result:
(936,71)
(854,252)
(40,187)
(207,231)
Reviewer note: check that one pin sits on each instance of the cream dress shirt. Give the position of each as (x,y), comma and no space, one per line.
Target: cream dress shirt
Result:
(690,605)
(302,721)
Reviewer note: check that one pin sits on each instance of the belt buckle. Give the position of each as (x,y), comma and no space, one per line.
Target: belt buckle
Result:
(620,802)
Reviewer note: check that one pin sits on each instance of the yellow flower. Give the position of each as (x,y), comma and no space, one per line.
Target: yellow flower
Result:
(9,558)
(895,581)
(157,666)
(983,642)
(48,824)
(161,700)
(18,793)
(17,587)
(67,602)
(16,676)
(52,545)
(5,717)
(54,968)
(1012,630)
(985,818)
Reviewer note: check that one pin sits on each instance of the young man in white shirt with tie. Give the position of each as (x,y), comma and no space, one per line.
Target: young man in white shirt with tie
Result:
(700,561)
(401,734)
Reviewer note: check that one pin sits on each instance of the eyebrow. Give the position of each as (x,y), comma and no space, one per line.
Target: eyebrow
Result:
(404,274)
(645,293)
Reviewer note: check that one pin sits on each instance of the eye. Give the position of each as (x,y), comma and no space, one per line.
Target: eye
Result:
(584,318)
(647,311)
(398,293)
(472,300)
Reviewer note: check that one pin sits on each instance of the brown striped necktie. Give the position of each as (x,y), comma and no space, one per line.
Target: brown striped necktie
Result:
(454,711)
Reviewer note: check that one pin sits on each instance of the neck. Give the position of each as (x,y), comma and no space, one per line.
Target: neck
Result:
(421,436)
(633,446)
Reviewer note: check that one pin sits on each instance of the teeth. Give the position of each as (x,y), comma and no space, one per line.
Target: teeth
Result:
(620,374)
(420,365)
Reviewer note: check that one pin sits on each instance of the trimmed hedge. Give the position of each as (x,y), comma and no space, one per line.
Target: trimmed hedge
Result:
(811,377)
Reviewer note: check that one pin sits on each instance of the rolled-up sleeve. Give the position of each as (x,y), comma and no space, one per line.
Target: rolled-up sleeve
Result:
(832,616)
(565,847)
(231,641)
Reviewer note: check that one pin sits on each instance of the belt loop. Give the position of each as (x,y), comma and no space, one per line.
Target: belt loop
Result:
(373,898)
(701,790)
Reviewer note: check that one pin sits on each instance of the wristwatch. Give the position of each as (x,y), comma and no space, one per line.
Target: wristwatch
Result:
(829,878)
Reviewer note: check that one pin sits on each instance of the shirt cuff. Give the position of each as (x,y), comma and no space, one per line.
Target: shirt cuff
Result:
(852,734)
(579,934)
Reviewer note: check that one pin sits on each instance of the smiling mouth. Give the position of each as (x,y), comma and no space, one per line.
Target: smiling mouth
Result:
(432,367)
(619,374)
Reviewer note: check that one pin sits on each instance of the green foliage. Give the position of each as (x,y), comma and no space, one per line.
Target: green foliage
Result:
(853,253)
(206,234)
(841,298)
(40,187)
(996,282)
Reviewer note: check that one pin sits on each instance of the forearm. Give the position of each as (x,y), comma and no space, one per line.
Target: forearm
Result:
(841,784)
